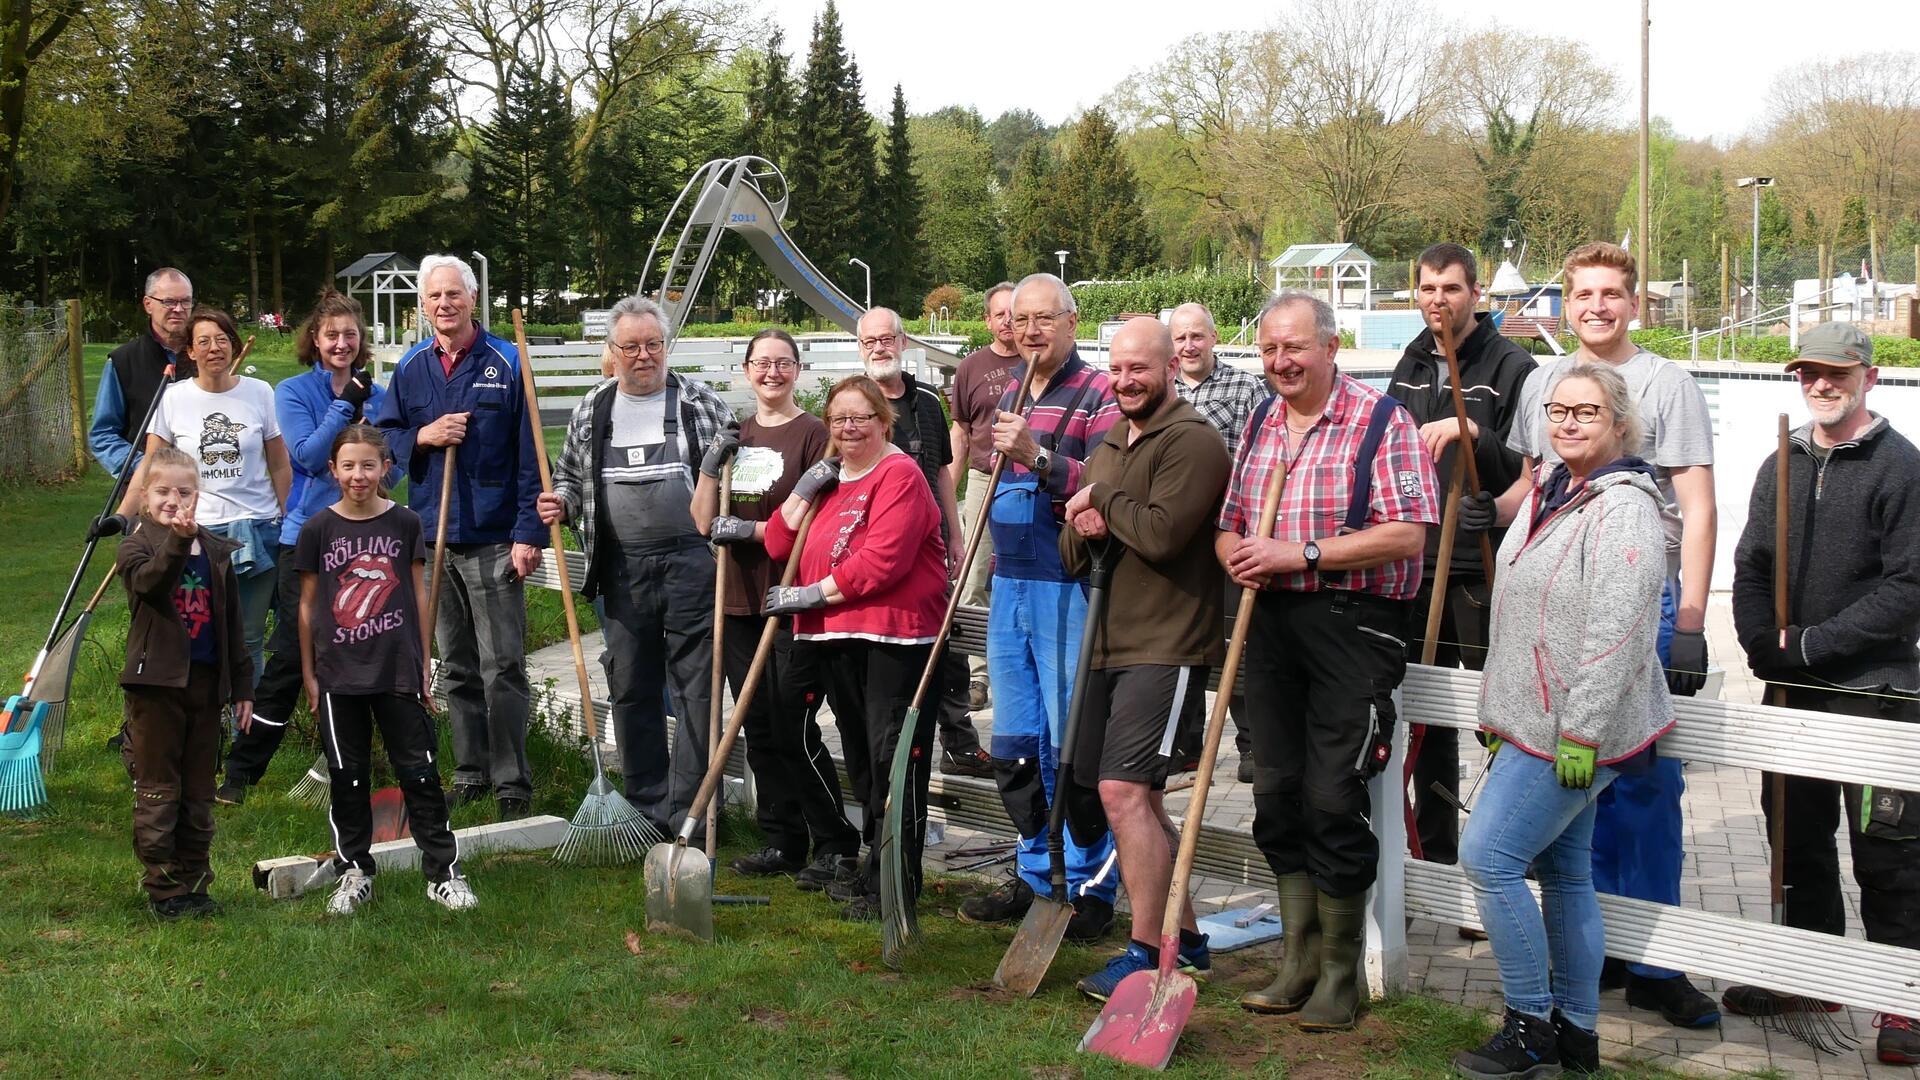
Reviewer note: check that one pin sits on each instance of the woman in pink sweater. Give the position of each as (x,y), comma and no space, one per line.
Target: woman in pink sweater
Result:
(873,588)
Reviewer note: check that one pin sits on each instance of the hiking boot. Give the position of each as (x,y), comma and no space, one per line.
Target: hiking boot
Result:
(977,695)
(1613,974)
(1579,1048)
(231,793)
(1006,904)
(1471,933)
(1524,1049)
(863,908)
(462,794)
(1101,984)
(202,906)
(512,809)
(1675,999)
(825,869)
(1092,918)
(766,862)
(353,892)
(1335,1004)
(1899,1041)
(1300,958)
(173,907)
(1744,1000)
(1243,772)
(454,894)
(976,762)
(853,887)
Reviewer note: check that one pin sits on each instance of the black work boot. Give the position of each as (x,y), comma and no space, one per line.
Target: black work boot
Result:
(1579,1048)
(1524,1049)
(1006,904)
(1675,999)
(1335,1004)
(1300,952)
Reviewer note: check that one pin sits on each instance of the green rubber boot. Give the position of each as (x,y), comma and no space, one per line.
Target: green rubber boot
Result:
(1300,956)
(1335,1004)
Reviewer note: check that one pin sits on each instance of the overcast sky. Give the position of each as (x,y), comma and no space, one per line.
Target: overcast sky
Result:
(1712,59)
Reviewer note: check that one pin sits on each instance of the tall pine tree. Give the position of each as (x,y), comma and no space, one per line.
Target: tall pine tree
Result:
(1035,223)
(1106,225)
(834,178)
(526,197)
(899,263)
(768,129)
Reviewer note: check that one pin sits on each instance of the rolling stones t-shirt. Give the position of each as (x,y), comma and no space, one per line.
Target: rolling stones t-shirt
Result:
(366,629)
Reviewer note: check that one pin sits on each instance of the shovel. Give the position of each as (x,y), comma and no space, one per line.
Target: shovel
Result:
(680,880)
(1142,1021)
(898,924)
(1033,947)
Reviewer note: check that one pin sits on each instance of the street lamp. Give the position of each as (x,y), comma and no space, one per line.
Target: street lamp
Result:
(1756,183)
(1062,256)
(869,272)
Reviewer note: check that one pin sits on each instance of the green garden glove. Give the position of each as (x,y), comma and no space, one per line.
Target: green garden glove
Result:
(1492,742)
(1573,764)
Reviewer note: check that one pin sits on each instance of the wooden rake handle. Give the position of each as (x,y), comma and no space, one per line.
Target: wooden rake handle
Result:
(1443,335)
(717,683)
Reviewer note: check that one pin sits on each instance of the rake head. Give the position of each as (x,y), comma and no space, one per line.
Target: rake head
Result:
(606,830)
(1803,1019)
(316,787)
(23,788)
(53,734)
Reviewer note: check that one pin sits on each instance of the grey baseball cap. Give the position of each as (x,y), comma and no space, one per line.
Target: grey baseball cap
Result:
(1841,344)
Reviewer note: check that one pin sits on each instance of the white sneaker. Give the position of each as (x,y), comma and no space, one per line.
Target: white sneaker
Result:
(354,890)
(454,894)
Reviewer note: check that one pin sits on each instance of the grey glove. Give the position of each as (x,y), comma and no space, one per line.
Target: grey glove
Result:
(821,478)
(1477,513)
(1687,663)
(728,529)
(789,599)
(721,452)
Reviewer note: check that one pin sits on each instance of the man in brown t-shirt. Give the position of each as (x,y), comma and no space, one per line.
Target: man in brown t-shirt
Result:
(978,385)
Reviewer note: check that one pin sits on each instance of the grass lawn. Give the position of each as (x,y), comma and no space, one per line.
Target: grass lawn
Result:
(553,975)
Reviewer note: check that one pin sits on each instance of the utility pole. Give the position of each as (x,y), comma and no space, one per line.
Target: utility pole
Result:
(1756,183)
(1646,160)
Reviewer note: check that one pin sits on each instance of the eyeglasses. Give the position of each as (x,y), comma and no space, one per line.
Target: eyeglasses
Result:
(773,365)
(632,350)
(852,419)
(172,303)
(210,342)
(1043,321)
(1583,413)
(871,343)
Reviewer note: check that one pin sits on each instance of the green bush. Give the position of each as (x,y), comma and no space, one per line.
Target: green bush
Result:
(1771,349)
(1229,297)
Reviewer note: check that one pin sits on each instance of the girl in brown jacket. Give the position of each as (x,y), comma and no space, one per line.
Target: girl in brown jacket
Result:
(186,659)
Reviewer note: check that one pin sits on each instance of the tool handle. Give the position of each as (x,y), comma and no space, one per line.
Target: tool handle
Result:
(1777,695)
(1443,334)
(1102,559)
(437,571)
(718,680)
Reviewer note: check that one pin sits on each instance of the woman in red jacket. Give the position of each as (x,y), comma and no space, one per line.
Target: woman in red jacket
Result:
(874,588)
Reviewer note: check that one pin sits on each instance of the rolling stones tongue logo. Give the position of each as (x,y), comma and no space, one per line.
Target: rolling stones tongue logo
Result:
(365,584)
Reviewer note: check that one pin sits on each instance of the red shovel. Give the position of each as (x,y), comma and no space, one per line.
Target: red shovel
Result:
(1142,1021)
(390,815)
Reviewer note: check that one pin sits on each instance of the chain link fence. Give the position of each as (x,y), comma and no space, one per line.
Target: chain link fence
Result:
(41,413)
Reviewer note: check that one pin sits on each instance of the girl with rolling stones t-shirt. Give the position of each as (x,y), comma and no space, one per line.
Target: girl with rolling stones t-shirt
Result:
(363,654)
(799,808)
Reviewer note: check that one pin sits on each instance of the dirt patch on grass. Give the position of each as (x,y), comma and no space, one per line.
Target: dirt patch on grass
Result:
(978,992)
(771,1019)
(1221,1031)
(680,1001)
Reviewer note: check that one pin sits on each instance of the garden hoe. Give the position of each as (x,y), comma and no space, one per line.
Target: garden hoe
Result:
(1141,1023)
(680,881)
(898,924)
(1031,952)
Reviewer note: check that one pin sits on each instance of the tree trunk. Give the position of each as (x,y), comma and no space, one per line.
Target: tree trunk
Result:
(253,264)
(279,282)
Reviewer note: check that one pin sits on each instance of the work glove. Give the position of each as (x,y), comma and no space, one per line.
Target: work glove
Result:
(728,529)
(1492,742)
(1687,663)
(358,389)
(790,599)
(1573,764)
(1765,652)
(721,452)
(106,525)
(822,477)
(1476,512)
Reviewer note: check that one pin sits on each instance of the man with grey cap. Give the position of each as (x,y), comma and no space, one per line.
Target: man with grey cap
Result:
(1853,615)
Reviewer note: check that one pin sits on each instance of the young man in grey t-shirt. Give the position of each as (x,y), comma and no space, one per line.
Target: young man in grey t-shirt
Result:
(1638,828)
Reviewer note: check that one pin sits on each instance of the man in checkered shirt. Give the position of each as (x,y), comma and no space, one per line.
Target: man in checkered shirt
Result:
(1226,396)
(1327,643)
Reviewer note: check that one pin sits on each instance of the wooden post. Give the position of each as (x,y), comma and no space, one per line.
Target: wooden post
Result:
(1873,260)
(76,386)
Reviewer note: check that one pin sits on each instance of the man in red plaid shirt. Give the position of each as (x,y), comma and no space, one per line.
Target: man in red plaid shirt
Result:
(1326,647)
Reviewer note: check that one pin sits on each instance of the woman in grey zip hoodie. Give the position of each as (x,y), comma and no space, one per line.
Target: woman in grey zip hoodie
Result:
(1574,692)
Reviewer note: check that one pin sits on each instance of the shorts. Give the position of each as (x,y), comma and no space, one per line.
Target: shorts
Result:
(1132,719)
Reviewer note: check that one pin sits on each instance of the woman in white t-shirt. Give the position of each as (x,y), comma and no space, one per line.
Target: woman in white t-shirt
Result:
(227,424)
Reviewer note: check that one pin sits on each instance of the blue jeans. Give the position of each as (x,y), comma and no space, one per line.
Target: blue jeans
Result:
(1548,959)
(1033,647)
(1638,833)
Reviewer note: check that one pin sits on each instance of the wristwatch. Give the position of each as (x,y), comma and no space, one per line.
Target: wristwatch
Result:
(1311,552)
(1042,461)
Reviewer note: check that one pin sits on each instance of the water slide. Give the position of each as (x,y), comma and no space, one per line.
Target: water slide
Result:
(746,196)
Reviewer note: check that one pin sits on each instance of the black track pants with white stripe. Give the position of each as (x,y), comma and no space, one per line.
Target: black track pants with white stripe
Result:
(346,736)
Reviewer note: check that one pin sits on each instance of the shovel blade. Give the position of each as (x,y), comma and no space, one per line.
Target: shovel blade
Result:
(1142,1021)
(1031,952)
(679,890)
(390,821)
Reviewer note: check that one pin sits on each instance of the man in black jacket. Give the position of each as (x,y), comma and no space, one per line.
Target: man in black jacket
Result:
(134,370)
(1853,614)
(1492,371)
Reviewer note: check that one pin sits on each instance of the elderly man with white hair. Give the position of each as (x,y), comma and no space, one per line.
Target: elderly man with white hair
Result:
(461,388)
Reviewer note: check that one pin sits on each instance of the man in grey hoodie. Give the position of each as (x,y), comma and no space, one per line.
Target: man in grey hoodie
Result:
(1853,612)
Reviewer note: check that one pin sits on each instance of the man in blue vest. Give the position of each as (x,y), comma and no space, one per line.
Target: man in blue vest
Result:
(461,389)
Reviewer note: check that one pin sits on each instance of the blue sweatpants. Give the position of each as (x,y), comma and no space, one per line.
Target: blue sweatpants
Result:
(1033,646)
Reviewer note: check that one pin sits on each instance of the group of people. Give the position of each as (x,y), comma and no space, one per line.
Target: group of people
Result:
(1596,493)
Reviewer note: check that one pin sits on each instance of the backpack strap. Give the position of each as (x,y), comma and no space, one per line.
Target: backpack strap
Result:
(1383,411)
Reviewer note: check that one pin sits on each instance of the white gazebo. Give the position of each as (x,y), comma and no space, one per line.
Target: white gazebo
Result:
(1330,271)
(388,276)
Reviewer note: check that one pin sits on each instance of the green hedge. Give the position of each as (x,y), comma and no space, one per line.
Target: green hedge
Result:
(1229,297)
(1771,349)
